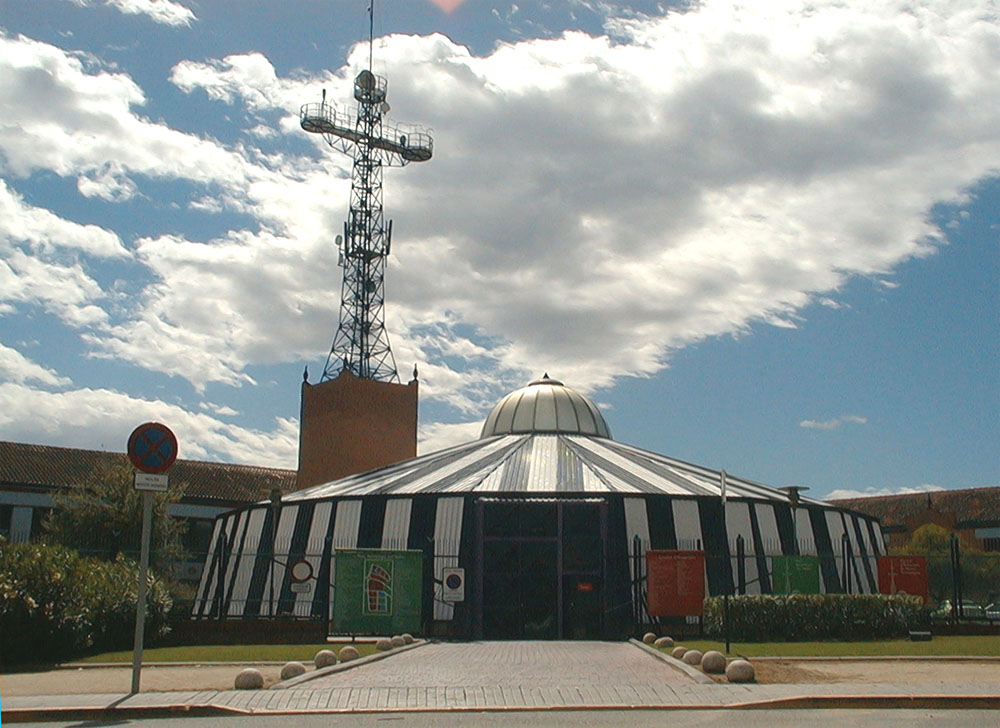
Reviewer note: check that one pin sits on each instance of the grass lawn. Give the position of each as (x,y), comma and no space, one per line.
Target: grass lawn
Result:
(230,653)
(956,646)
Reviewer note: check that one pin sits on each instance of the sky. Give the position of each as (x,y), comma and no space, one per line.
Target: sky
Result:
(761,236)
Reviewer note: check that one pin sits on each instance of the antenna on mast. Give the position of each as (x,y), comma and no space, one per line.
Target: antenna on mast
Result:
(361,343)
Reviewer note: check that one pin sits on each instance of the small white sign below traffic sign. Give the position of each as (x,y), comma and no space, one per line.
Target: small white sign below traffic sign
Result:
(151,481)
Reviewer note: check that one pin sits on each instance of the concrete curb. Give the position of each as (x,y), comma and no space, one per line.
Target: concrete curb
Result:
(341,666)
(940,702)
(689,670)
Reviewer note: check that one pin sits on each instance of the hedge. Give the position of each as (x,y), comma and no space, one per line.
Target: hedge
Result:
(805,617)
(56,604)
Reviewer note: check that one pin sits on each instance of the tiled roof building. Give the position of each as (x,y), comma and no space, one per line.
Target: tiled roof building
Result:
(973,513)
(30,474)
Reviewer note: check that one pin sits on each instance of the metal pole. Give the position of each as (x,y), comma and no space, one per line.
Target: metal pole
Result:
(741,566)
(140,605)
(222,561)
(725,618)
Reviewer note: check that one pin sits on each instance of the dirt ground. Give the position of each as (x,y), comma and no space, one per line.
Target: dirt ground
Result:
(926,673)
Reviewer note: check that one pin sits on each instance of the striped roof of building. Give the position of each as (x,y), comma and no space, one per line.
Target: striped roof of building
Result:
(46,467)
(547,463)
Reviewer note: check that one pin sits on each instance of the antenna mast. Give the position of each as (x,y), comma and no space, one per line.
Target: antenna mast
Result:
(361,343)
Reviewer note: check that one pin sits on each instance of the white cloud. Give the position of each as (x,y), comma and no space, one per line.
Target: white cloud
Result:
(166,12)
(438,436)
(89,129)
(15,367)
(833,424)
(219,409)
(43,231)
(874,492)
(593,204)
(83,417)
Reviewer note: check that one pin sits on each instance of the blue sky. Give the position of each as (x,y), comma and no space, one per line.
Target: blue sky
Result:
(761,238)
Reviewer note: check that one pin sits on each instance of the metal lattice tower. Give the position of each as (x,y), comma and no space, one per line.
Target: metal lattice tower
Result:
(361,343)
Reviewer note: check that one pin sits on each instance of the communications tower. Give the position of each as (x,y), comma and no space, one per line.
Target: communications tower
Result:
(361,344)
(359,417)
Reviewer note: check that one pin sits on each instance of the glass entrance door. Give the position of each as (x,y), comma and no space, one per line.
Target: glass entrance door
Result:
(542,568)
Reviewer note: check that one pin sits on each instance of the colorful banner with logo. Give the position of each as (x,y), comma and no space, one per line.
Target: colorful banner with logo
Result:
(377,591)
(904,575)
(795,575)
(675,583)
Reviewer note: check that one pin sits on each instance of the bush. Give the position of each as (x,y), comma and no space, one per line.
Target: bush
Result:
(804,617)
(55,603)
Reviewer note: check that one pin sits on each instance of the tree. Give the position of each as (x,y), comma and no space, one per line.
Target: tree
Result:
(102,516)
(980,571)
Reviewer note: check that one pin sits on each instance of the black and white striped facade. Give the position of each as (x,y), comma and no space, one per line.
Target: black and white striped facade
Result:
(436,503)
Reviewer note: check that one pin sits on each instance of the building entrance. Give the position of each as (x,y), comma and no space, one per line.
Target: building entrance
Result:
(542,564)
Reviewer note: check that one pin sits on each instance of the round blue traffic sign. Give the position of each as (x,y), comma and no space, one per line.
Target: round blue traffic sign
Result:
(152,447)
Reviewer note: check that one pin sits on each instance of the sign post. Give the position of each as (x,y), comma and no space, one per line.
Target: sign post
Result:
(152,448)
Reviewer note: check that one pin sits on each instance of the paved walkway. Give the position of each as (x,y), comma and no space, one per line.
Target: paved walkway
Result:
(504,676)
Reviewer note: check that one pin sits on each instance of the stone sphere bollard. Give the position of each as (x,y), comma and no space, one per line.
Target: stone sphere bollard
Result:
(740,671)
(325,658)
(407,638)
(397,641)
(384,644)
(678,651)
(713,661)
(348,653)
(250,678)
(649,638)
(664,642)
(692,657)
(292,669)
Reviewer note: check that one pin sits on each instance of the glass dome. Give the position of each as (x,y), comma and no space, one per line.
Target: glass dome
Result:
(545,405)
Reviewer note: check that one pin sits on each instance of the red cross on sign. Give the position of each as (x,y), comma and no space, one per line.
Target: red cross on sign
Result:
(152,447)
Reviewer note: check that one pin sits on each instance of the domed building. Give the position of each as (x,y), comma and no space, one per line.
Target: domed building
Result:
(545,519)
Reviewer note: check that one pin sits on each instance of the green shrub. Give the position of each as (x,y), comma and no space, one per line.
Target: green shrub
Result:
(804,617)
(55,603)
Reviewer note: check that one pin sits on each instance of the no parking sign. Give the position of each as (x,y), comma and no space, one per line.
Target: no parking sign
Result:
(453,580)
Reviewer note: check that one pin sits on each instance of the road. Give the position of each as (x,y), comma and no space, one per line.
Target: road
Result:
(857,718)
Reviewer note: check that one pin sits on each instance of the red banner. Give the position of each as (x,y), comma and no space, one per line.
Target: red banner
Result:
(903,575)
(675,583)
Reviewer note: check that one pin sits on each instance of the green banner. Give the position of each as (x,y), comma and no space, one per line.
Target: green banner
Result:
(377,591)
(795,574)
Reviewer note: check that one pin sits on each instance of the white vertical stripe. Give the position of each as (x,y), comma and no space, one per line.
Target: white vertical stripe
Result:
(447,535)
(770,537)
(314,555)
(276,569)
(345,536)
(880,539)
(347,524)
(248,555)
(236,528)
(804,532)
(687,523)
(636,524)
(206,588)
(862,525)
(738,524)
(835,524)
(396,528)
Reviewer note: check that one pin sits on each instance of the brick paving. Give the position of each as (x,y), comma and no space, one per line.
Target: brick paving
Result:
(505,675)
